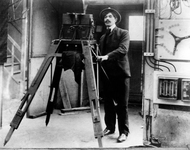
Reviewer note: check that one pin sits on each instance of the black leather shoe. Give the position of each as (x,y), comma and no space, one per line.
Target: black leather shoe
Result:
(122,138)
(107,132)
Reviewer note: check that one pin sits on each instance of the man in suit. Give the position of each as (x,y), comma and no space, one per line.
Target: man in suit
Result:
(114,45)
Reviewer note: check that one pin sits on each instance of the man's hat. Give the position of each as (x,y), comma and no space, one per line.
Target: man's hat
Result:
(107,10)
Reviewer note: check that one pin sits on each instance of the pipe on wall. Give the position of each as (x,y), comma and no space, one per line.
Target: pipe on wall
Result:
(114,2)
(24,46)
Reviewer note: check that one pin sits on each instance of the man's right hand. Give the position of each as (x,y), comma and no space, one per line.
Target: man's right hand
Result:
(102,58)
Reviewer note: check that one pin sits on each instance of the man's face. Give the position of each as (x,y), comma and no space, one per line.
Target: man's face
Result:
(109,19)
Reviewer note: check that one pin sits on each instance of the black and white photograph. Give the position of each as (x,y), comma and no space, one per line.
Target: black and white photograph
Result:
(94,74)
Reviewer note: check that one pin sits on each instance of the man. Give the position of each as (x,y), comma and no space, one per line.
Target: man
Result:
(115,74)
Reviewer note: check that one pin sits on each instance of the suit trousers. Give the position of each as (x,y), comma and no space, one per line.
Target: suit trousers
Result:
(116,90)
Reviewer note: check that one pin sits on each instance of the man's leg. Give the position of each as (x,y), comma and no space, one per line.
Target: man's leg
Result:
(122,107)
(109,106)
(110,114)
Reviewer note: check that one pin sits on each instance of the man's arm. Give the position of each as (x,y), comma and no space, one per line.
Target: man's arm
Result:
(122,48)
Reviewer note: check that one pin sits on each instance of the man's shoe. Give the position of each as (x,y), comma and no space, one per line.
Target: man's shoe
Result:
(122,138)
(107,132)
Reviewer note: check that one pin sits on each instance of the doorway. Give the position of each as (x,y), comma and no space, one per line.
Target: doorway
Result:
(129,13)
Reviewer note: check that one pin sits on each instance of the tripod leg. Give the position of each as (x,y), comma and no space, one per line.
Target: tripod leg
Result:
(53,92)
(28,97)
(92,91)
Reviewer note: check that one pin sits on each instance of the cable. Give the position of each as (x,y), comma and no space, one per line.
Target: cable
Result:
(174,4)
(152,66)
(14,3)
(168,63)
(159,64)
(163,61)
(163,8)
(186,3)
(9,4)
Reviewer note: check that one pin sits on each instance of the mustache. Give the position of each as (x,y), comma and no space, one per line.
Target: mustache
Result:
(107,21)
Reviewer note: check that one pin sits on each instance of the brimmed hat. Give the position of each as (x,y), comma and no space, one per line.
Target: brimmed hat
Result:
(107,10)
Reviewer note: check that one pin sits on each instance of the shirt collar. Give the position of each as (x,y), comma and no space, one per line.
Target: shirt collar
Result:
(112,27)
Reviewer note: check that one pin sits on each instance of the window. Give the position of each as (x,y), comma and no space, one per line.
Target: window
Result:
(136,28)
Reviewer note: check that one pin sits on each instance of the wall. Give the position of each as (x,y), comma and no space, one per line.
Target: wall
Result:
(166,118)
(44,28)
(3,48)
(3,31)
(46,21)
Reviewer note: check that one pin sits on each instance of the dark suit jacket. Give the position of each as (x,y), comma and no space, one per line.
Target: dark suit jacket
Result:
(117,47)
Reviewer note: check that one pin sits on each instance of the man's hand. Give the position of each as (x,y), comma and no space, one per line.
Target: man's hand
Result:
(102,58)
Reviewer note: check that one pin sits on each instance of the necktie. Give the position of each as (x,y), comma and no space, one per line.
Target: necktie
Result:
(108,31)
(105,39)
